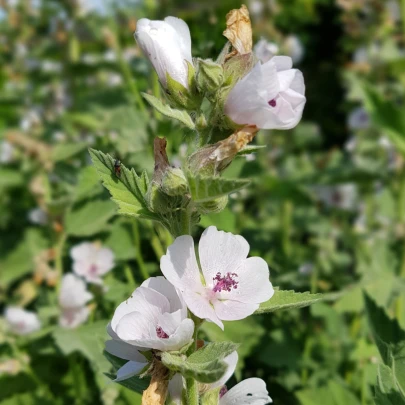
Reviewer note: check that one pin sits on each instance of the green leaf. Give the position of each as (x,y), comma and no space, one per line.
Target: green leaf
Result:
(213,351)
(208,188)
(180,115)
(87,340)
(341,394)
(211,397)
(390,340)
(10,178)
(288,300)
(248,149)
(202,372)
(88,184)
(67,150)
(134,383)
(386,390)
(128,190)
(89,219)
(121,241)
(387,115)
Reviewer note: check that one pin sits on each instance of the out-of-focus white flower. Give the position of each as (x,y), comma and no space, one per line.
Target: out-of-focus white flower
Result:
(167,44)
(110,56)
(265,50)
(154,317)
(394,10)
(73,297)
(255,7)
(30,119)
(270,96)
(360,55)
(358,119)
(91,261)
(51,66)
(342,196)
(6,152)
(114,79)
(306,268)
(294,48)
(38,216)
(59,136)
(351,144)
(233,286)
(22,322)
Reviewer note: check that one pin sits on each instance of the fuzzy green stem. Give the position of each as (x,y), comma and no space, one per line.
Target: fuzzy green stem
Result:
(139,257)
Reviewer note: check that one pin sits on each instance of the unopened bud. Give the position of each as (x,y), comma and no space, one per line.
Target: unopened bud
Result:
(210,76)
(212,206)
(174,182)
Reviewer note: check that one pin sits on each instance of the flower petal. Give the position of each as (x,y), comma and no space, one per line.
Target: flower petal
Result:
(124,351)
(164,287)
(175,389)
(201,307)
(220,252)
(282,63)
(231,361)
(169,322)
(145,300)
(179,265)
(135,327)
(183,31)
(248,392)
(128,370)
(234,310)
(254,286)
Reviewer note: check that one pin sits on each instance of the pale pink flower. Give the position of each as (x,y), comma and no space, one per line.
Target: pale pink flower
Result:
(231,286)
(270,96)
(21,321)
(167,44)
(91,261)
(73,297)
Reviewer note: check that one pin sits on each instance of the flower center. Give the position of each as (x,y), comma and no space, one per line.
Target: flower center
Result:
(223,391)
(272,103)
(161,333)
(93,269)
(225,283)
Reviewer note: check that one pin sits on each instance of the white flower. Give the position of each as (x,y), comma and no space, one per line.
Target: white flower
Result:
(270,96)
(22,322)
(265,50)
(92,261)
(6,152)
(167,44)
(231,287)
(38,216)
(294,48)
(351,144)
(248,392)
(358,119)
(154,317)
(73,297)
(342,196)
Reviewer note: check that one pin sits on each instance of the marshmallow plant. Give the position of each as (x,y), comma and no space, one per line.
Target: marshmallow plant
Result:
(21,321)
(154,346)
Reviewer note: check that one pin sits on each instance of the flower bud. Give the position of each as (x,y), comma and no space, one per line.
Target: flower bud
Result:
(210,76)
(167,44)
(174,182)
(274,92)
(212,206)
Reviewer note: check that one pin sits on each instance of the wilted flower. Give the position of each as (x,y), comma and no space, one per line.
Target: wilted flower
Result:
(231,287)
(22,322)
(270,96)
(167,44)
(154,317)
(265,50)
(294,48)
(358,119)
(72,300)
(91,261)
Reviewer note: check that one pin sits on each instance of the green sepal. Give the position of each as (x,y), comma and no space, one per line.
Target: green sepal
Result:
(210,76)
(211,397)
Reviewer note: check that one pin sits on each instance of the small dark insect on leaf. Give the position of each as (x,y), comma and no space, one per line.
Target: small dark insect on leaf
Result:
(117,167)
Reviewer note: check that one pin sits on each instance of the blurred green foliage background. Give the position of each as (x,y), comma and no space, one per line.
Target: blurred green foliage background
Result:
(326,209)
